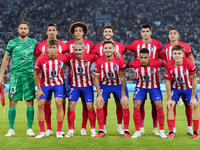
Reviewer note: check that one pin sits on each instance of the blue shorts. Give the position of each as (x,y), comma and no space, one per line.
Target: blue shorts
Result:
(67,88)
(186,95)
(106,90)
(140,94)
(47,90)
(87,92)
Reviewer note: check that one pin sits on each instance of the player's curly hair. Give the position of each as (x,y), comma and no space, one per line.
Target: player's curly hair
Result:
(79,24)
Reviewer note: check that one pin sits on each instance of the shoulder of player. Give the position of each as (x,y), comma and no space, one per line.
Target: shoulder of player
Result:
(155,61)
(100,60)
(87,42)
(41,58)
(32,40)
(98,45)
(170,63)
(167,45)
(187,61)
(135,63)
(155,42)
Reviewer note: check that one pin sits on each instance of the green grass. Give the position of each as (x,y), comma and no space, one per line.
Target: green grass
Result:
(112,140)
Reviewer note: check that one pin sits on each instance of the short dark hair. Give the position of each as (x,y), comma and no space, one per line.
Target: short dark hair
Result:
(53,42)
(110,27)
(178,47)
(144,51)
(79,24)
(108,42)
(24,22)
(146,26)
(173,29)
(51,25)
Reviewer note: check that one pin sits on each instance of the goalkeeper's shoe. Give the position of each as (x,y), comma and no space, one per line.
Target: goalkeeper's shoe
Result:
(127,134)
(30,133)
(171,135)
(195,135)
(136,134)
(10,133)
(41,135)
(100,133)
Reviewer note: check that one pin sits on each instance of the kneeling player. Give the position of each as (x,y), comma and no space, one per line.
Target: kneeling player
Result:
(52,77)
(81,82)
(113,72)
(181,81)
(147,81)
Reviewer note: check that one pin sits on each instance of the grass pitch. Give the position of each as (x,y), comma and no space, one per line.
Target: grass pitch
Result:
(112,140)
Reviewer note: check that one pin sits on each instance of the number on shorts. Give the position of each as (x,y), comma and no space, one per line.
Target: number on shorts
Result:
(71,89)
(137,90)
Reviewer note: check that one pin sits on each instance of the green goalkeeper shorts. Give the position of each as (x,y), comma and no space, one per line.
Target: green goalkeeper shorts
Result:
(19,86)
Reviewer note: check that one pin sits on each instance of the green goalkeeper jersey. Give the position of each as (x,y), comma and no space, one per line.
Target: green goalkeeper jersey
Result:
(22,56)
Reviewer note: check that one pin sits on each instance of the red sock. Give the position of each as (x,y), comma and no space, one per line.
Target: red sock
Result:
(41,125)
(195,125)
(59,125)
(174,115)
(170,124)
(154,114)
(47,112)
(161,118)
(71,118)
(119,113)
(100,118)
(126,118)
(188,112)
(105,112)
(92,118)
(142,114)
(84,116)
(64,110)
(136,118)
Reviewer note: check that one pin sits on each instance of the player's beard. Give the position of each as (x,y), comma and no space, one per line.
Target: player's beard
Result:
(23,35)
(108,38)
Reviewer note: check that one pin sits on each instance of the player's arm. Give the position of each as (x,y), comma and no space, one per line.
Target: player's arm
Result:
(37,82)
(99,100)
(168,89)
(162,55)
(191,57)
(193,100)
(4,65)
(124,99)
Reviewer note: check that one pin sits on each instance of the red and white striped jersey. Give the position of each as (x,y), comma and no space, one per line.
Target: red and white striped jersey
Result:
(98,49)
(88,46)
(180,76)
(168,50)
(42,46)
(154,47)
(80,75)
(52,69)
(147,77)
(109,71)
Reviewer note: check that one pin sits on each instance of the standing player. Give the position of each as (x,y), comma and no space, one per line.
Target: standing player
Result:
(174,36)
(108,33)
(156,51)
(81,83)
(52,80)
(51,32)
(147,77)
(21,79)
(181,81)
(79,30)
(112,71)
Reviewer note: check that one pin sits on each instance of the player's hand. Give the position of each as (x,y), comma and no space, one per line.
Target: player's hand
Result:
(194,103)
(1,80)
(117,54)
(169,104)
(39,93)
(44,53)
(99,101)
(125,101)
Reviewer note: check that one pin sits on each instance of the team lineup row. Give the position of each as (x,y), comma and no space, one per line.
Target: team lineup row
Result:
(109,78)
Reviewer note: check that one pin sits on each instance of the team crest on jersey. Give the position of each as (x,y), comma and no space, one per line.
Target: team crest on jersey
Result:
(115,67)
(85,63)
(11,95)
(184,71)
(85,46)
(152,70)
(151,48)
(59,65)
(30,45)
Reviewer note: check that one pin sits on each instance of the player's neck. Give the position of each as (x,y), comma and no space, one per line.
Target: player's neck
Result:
(48,39)
(146,41)
(23,39)
(109,59)
(52,56)
(174,42)
(108,40)
(81,40)
(80,57)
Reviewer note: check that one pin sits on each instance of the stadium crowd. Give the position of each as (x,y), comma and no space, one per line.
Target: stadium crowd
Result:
(126,16)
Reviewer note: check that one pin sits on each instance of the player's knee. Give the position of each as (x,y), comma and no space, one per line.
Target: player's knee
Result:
(90,107)
(40,105)
(136,105)
(71,107)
